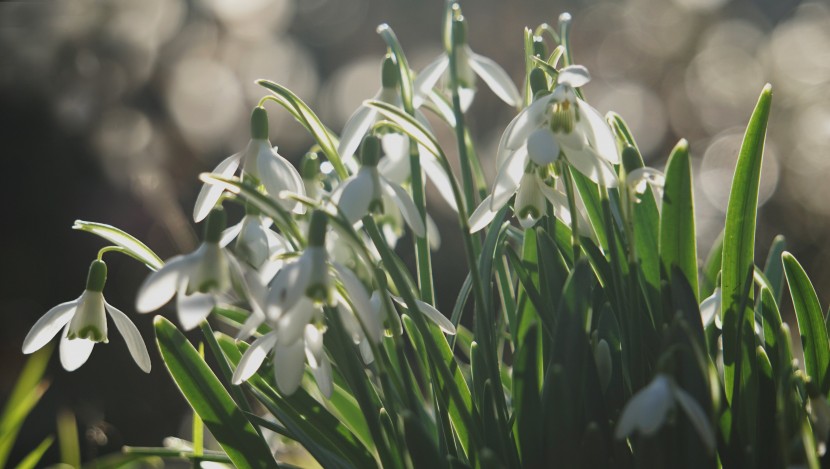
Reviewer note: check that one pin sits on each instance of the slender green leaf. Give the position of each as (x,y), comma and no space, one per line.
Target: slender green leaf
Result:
(774,268)
(210,400)
(33,458)
(810,323)
(130,243)
(739,236)
(68,441)
(677,222)
(527,403)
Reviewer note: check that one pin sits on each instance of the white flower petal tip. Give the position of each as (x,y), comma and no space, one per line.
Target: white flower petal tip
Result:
(482,216)
(160,286)
(710,309)
(431,313)
(646,411)
(253,357)
(74,352)
(278,175)
(289,363)
(48,326)
(135,344)
(574,76)
(641,178)
(697,416)
(209,194)
(496,78)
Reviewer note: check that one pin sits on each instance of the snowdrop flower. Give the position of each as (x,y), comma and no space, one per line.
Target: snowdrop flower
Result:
(561,123)
(642,178)
(295,310)
(366,191)
(259,161)
(256,243)
(84,324)
(648,409)
(710,309)
(194,278)
(469,66)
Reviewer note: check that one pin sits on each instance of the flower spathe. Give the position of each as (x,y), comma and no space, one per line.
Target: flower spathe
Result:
(260,161)
(84,324)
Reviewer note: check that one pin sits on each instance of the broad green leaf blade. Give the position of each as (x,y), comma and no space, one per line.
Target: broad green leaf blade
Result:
(527,403)
(739,235)
(32,459)
(311,122)
(589,192)
(810,323)
(677,222)
(130,243)
(210,400)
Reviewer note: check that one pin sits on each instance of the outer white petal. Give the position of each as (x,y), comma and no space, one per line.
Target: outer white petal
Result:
(530,201)
(253,357)
(434,234)
(229,234)
(431,313)
(289,286)
(193,309)
(465,96)
(48,325)
(502,152)
(573,76)
(135,344)
(292,323)
(599,133)
(496,78)
(249,326)
(710,308)
(366,352)
(428,77)
(435,173)
(288,365)
(542,148)
(355,194)
(395,166)
(508,177)
(278,175)
(355,129)
(252,244)
(210,193)
(160,286)
(408,210)
(587,162)
(322,374)
(361,302)
(530,119)
(483,215)
(697,416)
(646,411)
(75,352)
(317,359)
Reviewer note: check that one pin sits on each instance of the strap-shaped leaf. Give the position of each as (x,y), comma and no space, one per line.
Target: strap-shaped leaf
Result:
(210,400)
(739,235)
(677,222)
(128,242)
(810,323)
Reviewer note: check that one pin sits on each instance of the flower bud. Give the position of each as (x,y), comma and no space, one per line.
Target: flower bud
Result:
(97,276)
(310,166)
(389,73)
(217,221)
(459,30)
(317,229)
(539,48)
(538,81)
(370,151)
(259,124)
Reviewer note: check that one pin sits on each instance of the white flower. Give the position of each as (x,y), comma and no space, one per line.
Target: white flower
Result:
(261,162)
(710,309)
(84,324)
(194,278)
(560,122)
(647,411)
(469,65)
(366,191)
(642,178)
(256,243)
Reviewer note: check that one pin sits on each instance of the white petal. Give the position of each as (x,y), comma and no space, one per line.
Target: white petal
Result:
(322,374)
(427,79)
(253,357)
(573,76)
(482,216)
(160,286)
(507,180)
(252,243)
(465,96)
(355,129)
(697,416)
(288,365)
(639,179)
(434,234)
(530,119)
(395,166)
(556,198)
(289,286)
(542,148)
(599,133)
(647,409)
(502,152)
(366,352)
(75,352)
(48,325)
(278,175)
(710,307)
(587,162)
(408,210)
(530,201)
(211,193)
(496,78)
(250,326)
(355,194)
(313,345)
(193,309)
(360,301)
(229,234)
(292,323)
(431,313)
(435,173)
(135,344)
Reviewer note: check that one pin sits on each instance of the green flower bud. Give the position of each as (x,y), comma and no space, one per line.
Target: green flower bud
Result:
(539,48)
(370,151)
(97,276)
(259,124)
(310,166)
(389,73)
(216,222)
(538,81)
(317,228)
(459,30)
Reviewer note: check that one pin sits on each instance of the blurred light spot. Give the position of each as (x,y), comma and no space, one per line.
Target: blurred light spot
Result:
(326,167)
(811,133)
(658,28)
(121,138)
(253,18)
(346,90)
(328,21)
(205,100)
(718,168)
(701,5)
(640,107)
(799,49)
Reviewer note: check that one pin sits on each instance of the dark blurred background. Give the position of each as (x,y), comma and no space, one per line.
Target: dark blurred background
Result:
(110,109)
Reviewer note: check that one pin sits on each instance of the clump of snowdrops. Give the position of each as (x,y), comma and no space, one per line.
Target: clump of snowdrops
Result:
(594,338)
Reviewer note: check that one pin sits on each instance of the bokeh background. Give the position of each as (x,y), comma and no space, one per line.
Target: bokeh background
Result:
(110,109)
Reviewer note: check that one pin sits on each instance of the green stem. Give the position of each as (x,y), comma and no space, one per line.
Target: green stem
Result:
(463,157)
(569,190)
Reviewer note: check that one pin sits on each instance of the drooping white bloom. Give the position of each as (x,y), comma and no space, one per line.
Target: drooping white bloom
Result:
(642,178)
(196,278)
(710,309)
(647,411)
(366,191)
(256,243)
(561,123)
(84,324)
(260,161)
(469,66)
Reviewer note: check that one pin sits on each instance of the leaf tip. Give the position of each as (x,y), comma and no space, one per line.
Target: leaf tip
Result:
(767,89)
